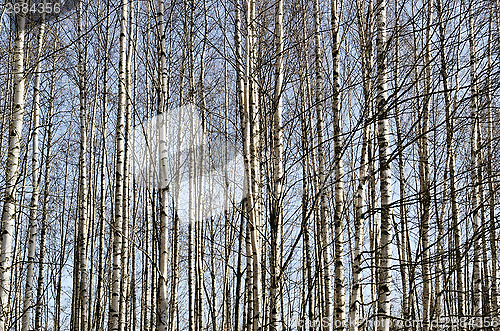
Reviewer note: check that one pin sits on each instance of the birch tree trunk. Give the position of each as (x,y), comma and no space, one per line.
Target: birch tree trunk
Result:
(175,221)
(384,267)
(82,201)
(33,226)
(125,295)
(365,35)
(276,214)
(404,250)
(228,232)
(253,137)
(424,174)
(485,277)
(12,170)
(64,230)
(164,186)
(489,170)
(192,251)
(239,273)
(447,105)
(44,218)
(339,300)
(242,111)
(246,203)
(114,309)
(98,317)
(476,268)
(324,250)
(200,217)
(305,124)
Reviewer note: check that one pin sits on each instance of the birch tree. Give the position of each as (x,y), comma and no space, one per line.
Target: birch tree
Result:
(33,226)
(424,173)
(365,35)
(339,300)
(384,267)
(476,272)
(252,137)
(163,298)
(276,214)
(327,306)
(83,194)
(489,169)
(12,169)
(114,309)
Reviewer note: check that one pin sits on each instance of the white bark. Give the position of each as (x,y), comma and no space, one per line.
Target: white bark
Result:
(253,139)
(242,111)
(489,169)
(403,245)
(200,196)
(307,309)
(339,214)
(457,228)
(360,205)
(125,295)
(164,187)
(33,226)
(114,309)
(83,194)
(384,262)
(324,249)
(365,35)
(192,251)
(12,170)
(276,215)
(98,319)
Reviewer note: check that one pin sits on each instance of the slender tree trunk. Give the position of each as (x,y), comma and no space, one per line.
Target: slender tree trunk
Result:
(384,267)
(12,170)
(146,225)
(305,113)
(490,174)
(276,214)
(63,229)
(83,186)
(485,276)
(114,311)
(253,137)
(246,203)
(192,251)
(175,219)
(424,174)
(228,233)
(44,217)
(33,225)
(200,218)
(360,206)
(444,77)
(242,111)
(164,187)
(98,317)
(324,249)
(339,300)
(126,241)
(403,251)
(476,268)
(365,35)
